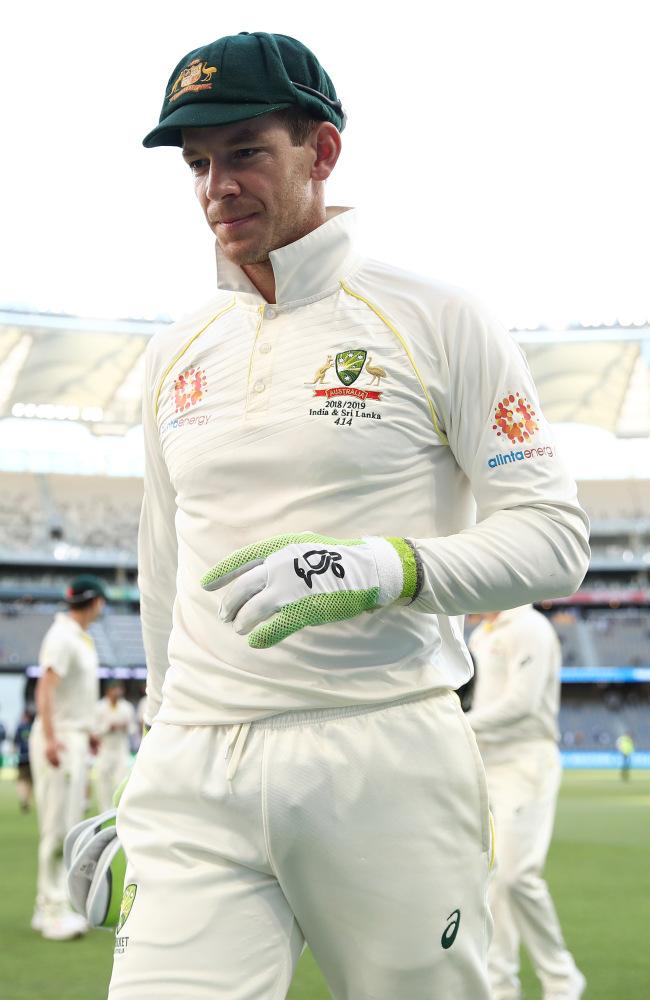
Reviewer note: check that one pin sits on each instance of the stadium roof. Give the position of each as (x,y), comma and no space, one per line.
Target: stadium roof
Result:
(71,368)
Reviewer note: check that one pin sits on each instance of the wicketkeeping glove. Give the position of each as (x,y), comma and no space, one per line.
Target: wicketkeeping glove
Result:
(95,866)
(290,581)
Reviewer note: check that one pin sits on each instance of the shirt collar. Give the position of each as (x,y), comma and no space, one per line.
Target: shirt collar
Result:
(63,618)
(308,269)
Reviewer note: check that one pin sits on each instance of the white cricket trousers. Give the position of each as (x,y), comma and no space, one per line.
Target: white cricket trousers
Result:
(523,796)
(60,795)
(363,831)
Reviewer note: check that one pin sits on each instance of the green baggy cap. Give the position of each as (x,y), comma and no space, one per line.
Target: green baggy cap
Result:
(243,76)
(83,588)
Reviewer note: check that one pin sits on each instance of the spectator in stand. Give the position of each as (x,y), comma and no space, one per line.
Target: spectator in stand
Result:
(625,746)
(24,788)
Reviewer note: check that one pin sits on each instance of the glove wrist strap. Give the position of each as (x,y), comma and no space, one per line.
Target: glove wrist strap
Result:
(411,568)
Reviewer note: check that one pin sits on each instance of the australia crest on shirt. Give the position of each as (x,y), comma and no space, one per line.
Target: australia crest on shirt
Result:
(344,384)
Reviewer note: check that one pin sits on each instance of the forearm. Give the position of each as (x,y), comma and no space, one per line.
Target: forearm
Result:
(515,556)
(44,706)
(506,712)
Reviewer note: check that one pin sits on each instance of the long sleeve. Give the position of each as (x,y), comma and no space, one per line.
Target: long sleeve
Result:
(530,542)
(157,552)
(528,677)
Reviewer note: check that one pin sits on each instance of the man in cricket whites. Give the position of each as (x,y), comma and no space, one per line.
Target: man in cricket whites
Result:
(59,743)
(514,716)
(114,725)
(341,460)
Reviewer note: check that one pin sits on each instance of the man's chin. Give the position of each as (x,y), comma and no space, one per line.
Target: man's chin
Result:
(241,256)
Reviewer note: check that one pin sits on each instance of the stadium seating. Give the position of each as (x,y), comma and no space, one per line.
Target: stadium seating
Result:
(39,512)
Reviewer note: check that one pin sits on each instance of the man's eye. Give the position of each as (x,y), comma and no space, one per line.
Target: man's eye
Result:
(196,165)
(245,154)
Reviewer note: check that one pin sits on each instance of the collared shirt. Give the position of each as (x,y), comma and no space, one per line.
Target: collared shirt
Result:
(366,400)
(70,652)
(517,692)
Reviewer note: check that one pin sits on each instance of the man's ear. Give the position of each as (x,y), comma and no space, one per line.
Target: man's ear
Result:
(326,143)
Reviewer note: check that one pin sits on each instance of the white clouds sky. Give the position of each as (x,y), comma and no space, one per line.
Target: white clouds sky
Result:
(502,146)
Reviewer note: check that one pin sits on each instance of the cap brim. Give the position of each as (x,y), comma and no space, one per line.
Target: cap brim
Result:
(204,115)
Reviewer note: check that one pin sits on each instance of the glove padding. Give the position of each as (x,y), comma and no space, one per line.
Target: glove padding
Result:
(309,579)
(96,865)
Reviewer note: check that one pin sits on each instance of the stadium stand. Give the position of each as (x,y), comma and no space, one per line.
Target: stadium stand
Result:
(40,511)
(117,635)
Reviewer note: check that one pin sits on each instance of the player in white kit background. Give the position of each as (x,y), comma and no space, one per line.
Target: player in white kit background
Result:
(59,744)
(329,442)
(515,717)
(115,725)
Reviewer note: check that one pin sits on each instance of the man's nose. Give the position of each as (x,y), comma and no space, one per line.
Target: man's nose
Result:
(221,182)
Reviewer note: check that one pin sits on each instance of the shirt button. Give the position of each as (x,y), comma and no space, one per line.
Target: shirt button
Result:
(270,313)
(259,387)
(265,348)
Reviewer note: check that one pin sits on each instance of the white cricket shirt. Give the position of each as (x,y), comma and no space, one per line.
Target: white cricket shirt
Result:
(517,692)
(366,401)
(106,715)
(70,652)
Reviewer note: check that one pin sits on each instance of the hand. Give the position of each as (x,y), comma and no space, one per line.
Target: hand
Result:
(290,581)
(53,749)
(94,744)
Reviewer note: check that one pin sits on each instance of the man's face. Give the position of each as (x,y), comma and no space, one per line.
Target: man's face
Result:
(254,186)
(97,607)
(115,692)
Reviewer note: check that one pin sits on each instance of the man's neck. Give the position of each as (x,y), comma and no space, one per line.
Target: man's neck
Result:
(80,618)
(262,276)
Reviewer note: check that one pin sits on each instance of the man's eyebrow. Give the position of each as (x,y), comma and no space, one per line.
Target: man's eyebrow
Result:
(242,135)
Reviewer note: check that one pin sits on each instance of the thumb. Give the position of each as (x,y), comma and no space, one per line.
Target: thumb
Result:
(248,557)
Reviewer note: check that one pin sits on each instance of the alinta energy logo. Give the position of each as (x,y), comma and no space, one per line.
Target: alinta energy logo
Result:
(515,419)
(189,388)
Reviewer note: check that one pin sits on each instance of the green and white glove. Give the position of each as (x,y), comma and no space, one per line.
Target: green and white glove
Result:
(95,867)
(290,581)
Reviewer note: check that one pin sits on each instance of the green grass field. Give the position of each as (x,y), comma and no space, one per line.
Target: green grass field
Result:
(598,871)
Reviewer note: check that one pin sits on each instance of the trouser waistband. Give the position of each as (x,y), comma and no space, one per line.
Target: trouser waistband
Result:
(287,720)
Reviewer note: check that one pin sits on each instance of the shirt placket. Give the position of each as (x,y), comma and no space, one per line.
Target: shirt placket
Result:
(260,372)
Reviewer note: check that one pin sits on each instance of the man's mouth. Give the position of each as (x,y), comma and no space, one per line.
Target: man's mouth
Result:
(235,223)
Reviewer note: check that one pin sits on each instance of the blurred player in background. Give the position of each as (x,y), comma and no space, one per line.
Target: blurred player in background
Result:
(66,695)
(514,715)
(625,746)
(24,786)
(115,724)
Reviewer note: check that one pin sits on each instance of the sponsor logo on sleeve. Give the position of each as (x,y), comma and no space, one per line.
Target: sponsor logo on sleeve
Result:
(515,421)
(520,455)
(514,418)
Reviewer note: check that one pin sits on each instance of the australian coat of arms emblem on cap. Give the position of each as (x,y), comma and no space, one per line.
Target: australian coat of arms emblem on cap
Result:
(197,75)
